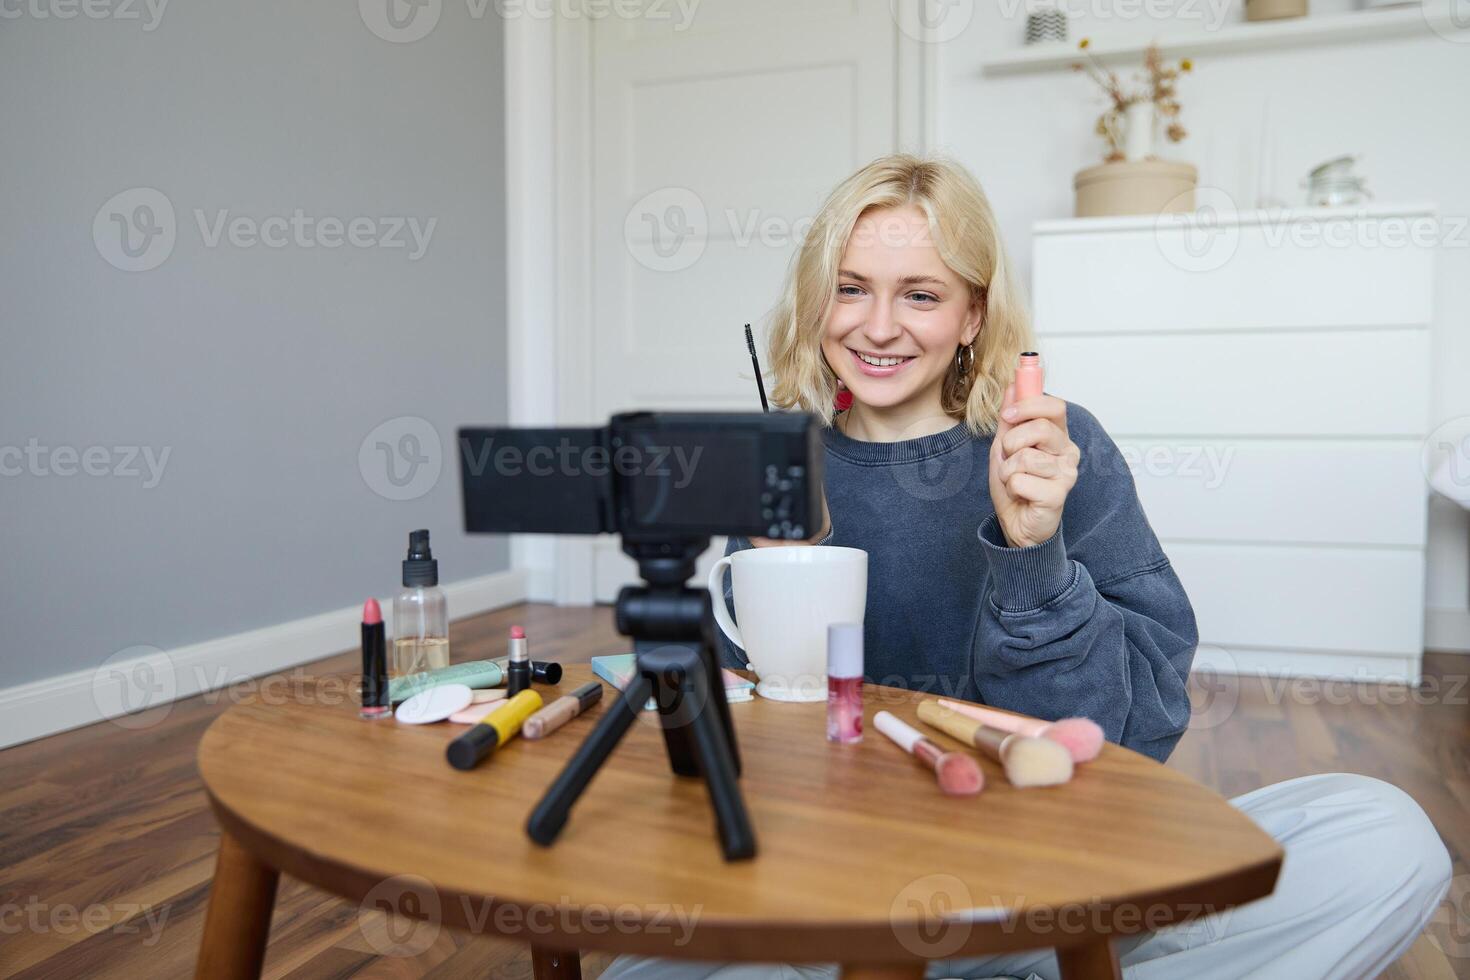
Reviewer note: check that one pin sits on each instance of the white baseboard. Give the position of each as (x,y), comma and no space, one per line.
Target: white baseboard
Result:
(1447,630)
(152,680)
(540,585)
(1339,665)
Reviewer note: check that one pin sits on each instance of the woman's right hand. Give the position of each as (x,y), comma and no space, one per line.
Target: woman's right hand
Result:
(782,542)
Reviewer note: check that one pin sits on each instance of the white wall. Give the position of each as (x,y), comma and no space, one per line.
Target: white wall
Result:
(1397,102)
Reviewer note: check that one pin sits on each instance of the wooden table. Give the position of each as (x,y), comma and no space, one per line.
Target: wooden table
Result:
(862,861)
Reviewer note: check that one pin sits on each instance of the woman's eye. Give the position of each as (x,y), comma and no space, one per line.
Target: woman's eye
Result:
(923,297)
(849,290)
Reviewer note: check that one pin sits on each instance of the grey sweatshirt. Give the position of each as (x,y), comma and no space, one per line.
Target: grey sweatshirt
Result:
(1093,622)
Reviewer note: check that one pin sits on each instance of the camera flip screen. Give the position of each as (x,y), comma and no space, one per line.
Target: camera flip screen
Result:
(647,475)
(684,489)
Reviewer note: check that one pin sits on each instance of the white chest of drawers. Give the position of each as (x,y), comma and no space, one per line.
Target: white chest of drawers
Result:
(1267,376)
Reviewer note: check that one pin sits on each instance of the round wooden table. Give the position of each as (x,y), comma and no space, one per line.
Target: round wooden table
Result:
(861,860)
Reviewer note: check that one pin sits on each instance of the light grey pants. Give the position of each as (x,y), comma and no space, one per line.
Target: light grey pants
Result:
(1363,873)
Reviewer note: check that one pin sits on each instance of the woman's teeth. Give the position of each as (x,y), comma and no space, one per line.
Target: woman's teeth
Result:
(880,361)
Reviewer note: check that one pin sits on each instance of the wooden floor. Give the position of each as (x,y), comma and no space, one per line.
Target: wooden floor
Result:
(107,844)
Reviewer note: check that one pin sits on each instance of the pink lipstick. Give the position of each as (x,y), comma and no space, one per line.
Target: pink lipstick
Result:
(375,702)
(518,671)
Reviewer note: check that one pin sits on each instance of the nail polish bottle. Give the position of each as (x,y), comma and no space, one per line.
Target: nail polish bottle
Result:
(845,682)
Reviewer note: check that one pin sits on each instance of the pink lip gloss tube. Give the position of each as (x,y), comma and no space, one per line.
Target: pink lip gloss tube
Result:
(1028,376)
(845,682)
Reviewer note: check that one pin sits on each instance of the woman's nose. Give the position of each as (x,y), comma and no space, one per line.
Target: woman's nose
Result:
(883,327)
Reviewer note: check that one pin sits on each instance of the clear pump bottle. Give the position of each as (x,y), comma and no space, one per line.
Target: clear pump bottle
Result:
(420,613)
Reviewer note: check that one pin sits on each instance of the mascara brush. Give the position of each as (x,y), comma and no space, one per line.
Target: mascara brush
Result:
(755,362)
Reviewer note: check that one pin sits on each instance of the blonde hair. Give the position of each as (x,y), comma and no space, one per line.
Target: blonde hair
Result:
(963,229)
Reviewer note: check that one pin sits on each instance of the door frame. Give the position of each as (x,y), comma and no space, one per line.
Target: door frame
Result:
(548,297)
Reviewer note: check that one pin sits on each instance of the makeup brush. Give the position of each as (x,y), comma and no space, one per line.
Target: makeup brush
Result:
(1082,737)
(1028,761)
(957,773)
(755,362)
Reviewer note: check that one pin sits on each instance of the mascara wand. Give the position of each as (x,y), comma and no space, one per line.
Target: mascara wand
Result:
(755,362)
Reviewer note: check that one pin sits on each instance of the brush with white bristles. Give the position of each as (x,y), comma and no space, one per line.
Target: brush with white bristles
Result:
(1027,760)
(1082,737)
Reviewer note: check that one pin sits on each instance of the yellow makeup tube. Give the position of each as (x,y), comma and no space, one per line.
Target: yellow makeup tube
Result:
(499,727)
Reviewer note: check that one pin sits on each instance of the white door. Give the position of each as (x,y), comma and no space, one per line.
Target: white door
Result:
(713,144)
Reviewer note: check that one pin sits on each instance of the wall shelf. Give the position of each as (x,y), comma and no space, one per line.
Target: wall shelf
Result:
(1365,25)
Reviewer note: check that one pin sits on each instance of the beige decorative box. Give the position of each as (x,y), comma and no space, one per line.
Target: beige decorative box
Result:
(1135,187)
(1275,9)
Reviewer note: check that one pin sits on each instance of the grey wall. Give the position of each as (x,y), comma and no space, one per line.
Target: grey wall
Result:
(259,369)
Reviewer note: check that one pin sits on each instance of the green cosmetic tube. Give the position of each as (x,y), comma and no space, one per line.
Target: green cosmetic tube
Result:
(474,674)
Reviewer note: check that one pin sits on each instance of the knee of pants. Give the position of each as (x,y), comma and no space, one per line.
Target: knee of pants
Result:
(1371,843)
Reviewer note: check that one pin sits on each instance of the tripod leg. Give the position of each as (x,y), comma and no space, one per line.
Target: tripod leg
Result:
(737,837)
(550,815)
(717,684)
(667,668)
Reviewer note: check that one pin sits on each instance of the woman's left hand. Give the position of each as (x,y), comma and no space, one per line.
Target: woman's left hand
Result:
(1033,466)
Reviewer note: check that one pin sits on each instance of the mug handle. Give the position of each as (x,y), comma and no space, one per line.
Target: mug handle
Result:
(717,597)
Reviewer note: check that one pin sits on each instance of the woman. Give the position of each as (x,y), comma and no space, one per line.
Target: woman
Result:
(1011,562)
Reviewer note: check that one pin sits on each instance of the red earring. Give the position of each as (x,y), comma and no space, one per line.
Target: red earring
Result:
(843,401)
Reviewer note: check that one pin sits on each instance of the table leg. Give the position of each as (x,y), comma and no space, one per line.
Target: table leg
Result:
(238,920)
(1097,960)
(555,964)
(887,971)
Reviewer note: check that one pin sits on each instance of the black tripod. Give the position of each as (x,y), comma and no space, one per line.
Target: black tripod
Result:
(673,641)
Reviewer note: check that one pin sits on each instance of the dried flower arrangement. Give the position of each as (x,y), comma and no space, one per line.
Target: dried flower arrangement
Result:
(1157,84)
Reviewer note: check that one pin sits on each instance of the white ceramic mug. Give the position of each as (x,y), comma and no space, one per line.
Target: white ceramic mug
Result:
(785,598)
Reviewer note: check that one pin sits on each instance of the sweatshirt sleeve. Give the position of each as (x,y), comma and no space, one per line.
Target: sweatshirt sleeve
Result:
(1092,622)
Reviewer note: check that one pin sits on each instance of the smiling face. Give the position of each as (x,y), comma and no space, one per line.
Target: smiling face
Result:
(899,315)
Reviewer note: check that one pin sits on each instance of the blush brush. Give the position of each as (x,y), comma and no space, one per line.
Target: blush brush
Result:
(1027,760)
(1082,737)
(957,773)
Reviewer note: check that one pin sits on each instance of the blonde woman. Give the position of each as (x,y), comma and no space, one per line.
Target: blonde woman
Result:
(1011,562)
